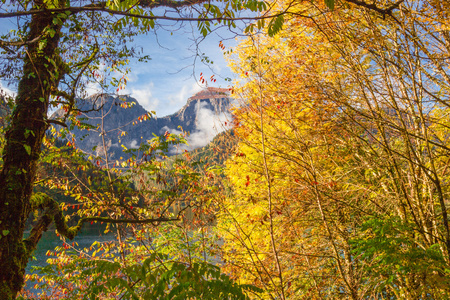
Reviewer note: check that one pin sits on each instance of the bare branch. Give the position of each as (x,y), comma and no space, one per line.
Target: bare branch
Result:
(372,6)
(102,8)
(6,45)
(51,121)
(54,213)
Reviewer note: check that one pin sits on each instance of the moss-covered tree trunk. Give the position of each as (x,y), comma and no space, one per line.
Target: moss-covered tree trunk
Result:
(23,146)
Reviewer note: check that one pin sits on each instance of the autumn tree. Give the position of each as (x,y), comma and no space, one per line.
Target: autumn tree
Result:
(286,216)
(400,106)
(57,48)
(158,209)
(342,176)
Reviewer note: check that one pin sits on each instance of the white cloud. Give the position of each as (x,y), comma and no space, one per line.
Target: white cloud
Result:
(92,88)
(7,90)
(179,99)
(209,124)
(144,96)
(133,144)
(170,130)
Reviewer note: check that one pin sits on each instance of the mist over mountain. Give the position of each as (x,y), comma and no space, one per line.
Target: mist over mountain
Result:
(123,121)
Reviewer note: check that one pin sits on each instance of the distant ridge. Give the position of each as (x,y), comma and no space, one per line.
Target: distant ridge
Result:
(202,116)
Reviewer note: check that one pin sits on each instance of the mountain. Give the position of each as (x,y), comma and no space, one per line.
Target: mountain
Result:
(123,121)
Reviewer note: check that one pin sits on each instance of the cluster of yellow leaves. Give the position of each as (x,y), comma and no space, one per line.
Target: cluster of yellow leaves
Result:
(342,131)
(301,158)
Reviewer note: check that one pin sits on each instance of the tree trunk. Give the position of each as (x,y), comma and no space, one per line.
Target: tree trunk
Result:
(23,147)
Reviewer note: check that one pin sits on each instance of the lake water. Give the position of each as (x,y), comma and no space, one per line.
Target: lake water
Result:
(50,240)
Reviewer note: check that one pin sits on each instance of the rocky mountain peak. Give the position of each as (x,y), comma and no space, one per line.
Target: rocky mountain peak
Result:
(216,99)
(119,120)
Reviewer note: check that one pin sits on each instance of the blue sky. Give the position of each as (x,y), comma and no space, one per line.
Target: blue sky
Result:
(172,75)
(164,83)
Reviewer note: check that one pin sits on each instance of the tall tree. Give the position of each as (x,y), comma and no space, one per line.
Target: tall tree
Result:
(341,155)
(58,46)
(45,57)
(144,261)
(289,159)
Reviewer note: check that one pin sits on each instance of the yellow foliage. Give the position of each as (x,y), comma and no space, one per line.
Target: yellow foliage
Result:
(335,128)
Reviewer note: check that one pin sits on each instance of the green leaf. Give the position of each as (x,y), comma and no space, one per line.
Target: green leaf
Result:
(28,149)
(5,232)
(275,25)
(329,4)
(57,21)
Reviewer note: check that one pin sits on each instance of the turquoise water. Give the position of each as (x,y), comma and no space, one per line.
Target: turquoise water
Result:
(50,240)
